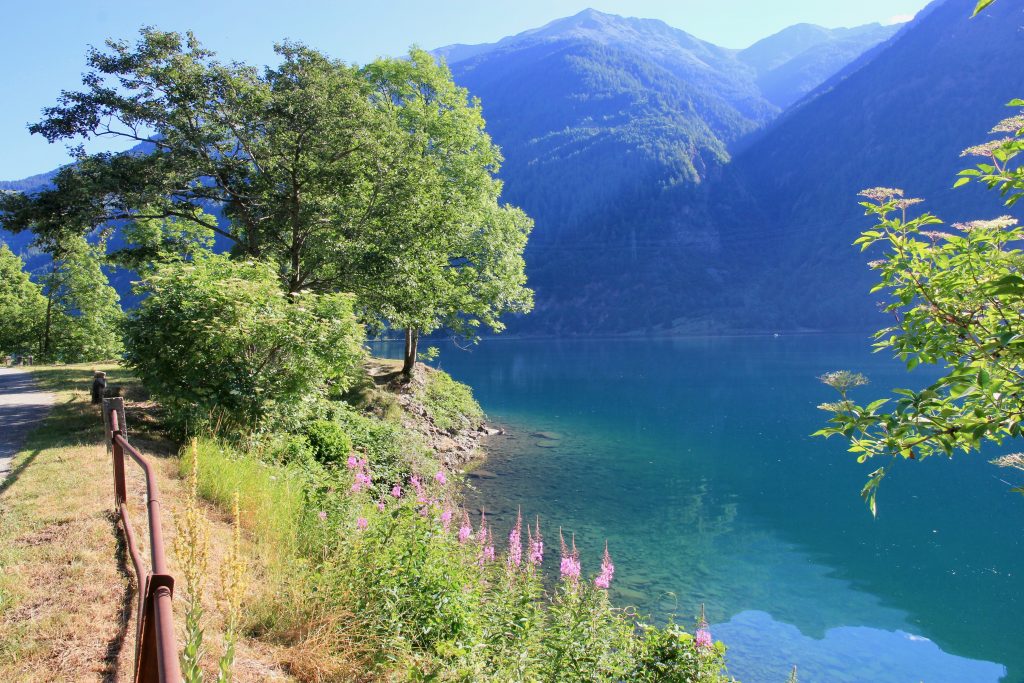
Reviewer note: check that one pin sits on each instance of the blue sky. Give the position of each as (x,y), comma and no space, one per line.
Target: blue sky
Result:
(44,44)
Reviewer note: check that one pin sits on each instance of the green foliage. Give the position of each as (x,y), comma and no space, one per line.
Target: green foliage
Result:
(153,240)
(329,443)
(218,342)
(958,300)
(670,654)
(22,306)
(417,601)
(982,4)
(450,404)
(376,181)
(83,317)
(389,450)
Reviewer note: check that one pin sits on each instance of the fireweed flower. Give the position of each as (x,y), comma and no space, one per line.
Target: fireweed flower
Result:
(535,543)
(515,542)
(604,579)
(570,567)
(380,505)
(396,491)
(481,535)
(353,462)
(323,516)
(466,529)
(361,523)
(440,478)
(446,519)
(487,549)
(703,637)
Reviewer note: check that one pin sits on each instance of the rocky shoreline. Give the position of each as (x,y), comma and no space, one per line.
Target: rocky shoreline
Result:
(456,449)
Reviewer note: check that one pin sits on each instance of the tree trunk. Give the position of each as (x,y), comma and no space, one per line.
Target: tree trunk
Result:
(44,349)
(412,340)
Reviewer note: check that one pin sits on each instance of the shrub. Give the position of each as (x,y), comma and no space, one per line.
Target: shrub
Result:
(450,404)
(329,443)
(217,342)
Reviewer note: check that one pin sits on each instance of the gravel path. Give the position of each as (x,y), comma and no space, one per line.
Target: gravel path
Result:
(22,408)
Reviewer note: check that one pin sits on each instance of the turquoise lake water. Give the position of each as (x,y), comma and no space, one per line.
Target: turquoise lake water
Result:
(692,457)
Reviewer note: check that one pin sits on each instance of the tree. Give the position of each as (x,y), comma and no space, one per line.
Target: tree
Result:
(958,301)
(290,155)
(451,255)
(82,320)
(152,241)
(22,305)
(218,342)
(378,181)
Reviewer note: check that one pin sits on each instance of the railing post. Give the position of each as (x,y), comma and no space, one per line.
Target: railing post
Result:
(114,423)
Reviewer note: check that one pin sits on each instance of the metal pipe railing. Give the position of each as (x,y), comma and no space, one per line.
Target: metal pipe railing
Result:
(156,653)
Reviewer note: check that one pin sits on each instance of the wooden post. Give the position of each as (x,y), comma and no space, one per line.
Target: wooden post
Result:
(116,406)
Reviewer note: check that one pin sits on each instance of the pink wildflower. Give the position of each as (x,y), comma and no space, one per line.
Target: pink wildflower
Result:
(322,516)
(487,549)
(446,519)
(353,462)
(481,535)
(570,567)
(440,478)
(535,544)
(703,637)
(396,491)
(515,542)
(380,505)
(604,579)
(466,529)
(361,523)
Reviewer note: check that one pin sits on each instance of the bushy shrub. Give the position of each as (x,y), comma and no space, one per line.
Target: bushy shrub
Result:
(328,441)
(218,342)
(390,451)
(450,404)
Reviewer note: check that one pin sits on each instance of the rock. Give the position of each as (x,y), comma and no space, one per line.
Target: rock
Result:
(489,431)
(549,436)
(482,474)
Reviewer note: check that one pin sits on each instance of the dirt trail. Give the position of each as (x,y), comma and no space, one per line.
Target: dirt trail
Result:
(22,407)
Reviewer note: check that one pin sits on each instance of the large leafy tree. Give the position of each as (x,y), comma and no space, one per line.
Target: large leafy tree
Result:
(957,296)
(450,254)
(82,318)
(291,155)
(378,181)
(22,306)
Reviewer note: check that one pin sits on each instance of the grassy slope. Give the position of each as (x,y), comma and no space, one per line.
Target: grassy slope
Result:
(66,589)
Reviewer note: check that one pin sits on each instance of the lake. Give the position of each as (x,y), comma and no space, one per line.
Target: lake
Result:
(692,458)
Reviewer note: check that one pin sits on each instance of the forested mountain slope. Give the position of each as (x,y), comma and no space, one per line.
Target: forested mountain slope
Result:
(787,207)
(611,129)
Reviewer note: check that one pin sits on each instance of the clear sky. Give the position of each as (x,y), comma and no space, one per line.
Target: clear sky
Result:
(44,42)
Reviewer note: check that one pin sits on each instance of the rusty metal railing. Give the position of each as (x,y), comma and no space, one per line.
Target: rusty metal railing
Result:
(156,653)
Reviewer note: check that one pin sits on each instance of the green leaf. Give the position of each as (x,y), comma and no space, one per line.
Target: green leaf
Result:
(982,4)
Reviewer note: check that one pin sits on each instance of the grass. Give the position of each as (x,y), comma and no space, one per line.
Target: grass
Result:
(450,404)
(66,588)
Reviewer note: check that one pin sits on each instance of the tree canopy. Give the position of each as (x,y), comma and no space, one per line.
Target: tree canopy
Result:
(957,296)
(376,180)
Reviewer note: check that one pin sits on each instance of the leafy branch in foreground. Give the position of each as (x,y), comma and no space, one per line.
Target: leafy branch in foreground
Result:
(958,301)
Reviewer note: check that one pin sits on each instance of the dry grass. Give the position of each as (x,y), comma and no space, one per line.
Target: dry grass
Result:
(66,588)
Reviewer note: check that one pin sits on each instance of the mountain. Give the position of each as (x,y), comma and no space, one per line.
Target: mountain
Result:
(797,59)
(611,128)
(615,132)
(787,205)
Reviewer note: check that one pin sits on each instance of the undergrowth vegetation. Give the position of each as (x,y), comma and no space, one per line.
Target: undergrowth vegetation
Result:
(376,571)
